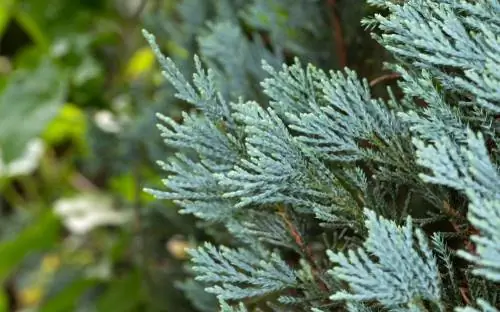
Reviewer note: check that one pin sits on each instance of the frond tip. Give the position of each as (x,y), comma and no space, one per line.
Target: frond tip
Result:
(405,271)
(470,170)
(240,273)
(483,307)
(225,307)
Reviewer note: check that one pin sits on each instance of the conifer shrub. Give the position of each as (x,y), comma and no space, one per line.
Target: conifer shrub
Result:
(328,198)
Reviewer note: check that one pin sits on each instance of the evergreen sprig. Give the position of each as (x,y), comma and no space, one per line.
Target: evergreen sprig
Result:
(238,274)
(323,147)
(405,271)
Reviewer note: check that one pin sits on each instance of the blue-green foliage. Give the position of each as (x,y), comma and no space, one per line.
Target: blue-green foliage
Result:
(404,271)
(349,114)
(239,274)
(277,170)
(483,307)
(225,307)
(237,75)
(290,24)
(470,170)
(456,44)
(327,152)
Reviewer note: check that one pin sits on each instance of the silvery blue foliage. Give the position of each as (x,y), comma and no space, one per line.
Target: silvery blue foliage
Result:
(437,118)
(323,147)
(437,35)
(405,269)
(238,73)
(193,184)
(225,307)
(483,307)
(241,273)
(349,116)
(470,170)
(277,169)
(357,307)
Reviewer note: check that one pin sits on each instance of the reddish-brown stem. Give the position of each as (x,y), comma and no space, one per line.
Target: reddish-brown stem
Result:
(464,293)
(303,246)
(337,34)
(382,78)
(296,236)
(454,214)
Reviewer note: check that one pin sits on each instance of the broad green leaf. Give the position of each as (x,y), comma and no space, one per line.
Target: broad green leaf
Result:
(28,102)
(41,234)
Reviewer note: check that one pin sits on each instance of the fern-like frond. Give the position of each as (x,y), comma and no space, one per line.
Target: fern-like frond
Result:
(337,130)
(437,118)
(225,307)
(195,188)
(445,255)
(269,228)
(292,88)
(240,273)
(442,35)
(470,170)
(404,271)
(278,170)
(202,136)
(202,93)
(219,46)
(482,305)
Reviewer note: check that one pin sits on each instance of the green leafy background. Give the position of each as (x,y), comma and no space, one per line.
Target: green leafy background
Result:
(62,65)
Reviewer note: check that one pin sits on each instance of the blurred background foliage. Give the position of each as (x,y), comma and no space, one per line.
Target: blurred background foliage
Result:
(79,89)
